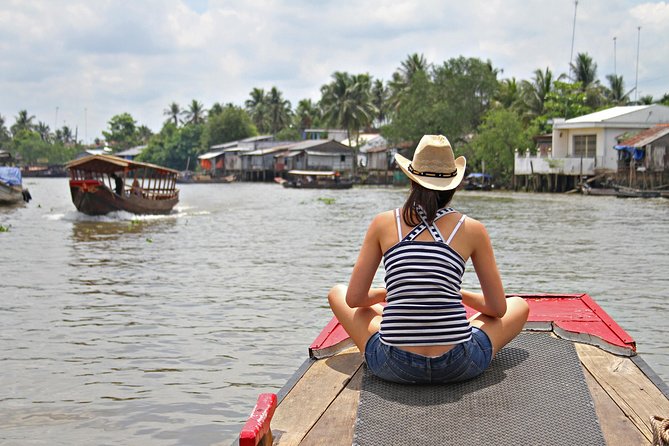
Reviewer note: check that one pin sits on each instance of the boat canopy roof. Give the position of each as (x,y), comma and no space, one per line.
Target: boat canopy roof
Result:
(109,164)
(479,175)
(10,175)
(311,172)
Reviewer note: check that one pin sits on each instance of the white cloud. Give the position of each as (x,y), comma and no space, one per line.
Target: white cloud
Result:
(109,56)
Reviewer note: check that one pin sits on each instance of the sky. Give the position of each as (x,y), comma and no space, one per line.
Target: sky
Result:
(80,62)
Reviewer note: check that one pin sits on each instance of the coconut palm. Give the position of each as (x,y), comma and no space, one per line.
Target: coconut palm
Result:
(44,132)
(144,133)
(256,106)
(402,77)
(196,113)
(173,111)
(584,70)
(645,100)
(534,93)
(4,132)
(380,101)
(23,122)
(216,109)
(616,91)
(306,114)
(278,110)
(508,94)
(346,102)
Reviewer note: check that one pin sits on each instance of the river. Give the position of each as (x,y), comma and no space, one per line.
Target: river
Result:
(163,330)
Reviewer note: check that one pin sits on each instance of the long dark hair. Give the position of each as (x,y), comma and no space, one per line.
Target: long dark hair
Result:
(430,200)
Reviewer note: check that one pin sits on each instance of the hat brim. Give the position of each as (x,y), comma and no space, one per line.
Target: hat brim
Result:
(434,183)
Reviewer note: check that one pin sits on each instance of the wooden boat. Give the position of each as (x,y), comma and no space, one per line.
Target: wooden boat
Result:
(11,186)
(586,189)
(321,403)
(478,181)
(637,193)
(315,179)
(101,184)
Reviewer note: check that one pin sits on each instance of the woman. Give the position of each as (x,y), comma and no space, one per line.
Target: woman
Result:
(422,335)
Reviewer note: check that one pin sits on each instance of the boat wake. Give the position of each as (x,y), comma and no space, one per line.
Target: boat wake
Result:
(123,216)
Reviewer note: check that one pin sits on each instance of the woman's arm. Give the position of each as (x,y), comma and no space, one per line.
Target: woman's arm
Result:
(359,293)
(493,300)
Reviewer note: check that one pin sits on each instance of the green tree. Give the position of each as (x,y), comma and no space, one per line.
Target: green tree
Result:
(496,139)
(4,132)
(584,70)
(380,101)
(196,113)
(44,131)
(464,89)
(122,132)
(616,92)
(232,124)
(346,102)
(534,92)
(403,76)
(256,106)
(173,111)
(173,147)
(24,121)
(414,116)
(508,95)
(566,100)
(278,110)
(144,134)
(216,109)
(645,100)
(307,115)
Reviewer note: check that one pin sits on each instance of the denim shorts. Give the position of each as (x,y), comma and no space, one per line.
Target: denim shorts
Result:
(464,361)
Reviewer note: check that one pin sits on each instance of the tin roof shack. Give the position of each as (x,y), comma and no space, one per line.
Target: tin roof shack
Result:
(224,159)
(643,159)
(584,146)
(260,164)
(131,153)
(318,155)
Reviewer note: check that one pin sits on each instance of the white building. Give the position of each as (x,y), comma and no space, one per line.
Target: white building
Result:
(584,145)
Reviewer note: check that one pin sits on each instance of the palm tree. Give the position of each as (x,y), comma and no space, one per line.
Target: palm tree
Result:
(196,113)
(4,133)
(278,110)
(144,133)
(346,102)
(173,111)
(380,101)
(257,109)
(508,94)
(306,114)
(216,109)
(645,100)
(66,135)
(616,91)
(584,70)
(44,132)
(403,76)
(23,122)
(534,93)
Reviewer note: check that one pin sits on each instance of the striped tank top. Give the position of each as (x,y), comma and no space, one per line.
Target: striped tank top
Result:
(424,305)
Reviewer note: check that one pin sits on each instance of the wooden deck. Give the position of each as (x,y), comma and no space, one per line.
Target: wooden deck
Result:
(319,406)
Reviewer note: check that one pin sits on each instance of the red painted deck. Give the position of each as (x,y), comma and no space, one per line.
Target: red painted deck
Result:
(578,314)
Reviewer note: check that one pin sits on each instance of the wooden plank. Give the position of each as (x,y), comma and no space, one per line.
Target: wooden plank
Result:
(626,385)
(335,427)
(312,395)
(616,427)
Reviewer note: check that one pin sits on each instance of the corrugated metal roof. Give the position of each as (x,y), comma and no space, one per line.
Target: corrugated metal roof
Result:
(210,155)
(646,137)
(608,114)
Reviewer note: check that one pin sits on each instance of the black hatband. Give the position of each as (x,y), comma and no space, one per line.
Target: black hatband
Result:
(433,174)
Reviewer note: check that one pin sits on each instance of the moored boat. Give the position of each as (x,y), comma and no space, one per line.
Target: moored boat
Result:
(315,179)
(11,186)
(101,184)
(572,377)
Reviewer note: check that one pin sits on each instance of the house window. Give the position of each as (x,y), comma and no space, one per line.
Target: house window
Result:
(585,146)
(342,158)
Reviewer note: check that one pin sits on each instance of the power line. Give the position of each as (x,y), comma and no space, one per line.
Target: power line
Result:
(573,34)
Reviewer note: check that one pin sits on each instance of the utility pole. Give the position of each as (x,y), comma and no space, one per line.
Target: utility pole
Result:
(615,71)
(636,80)
(573,34)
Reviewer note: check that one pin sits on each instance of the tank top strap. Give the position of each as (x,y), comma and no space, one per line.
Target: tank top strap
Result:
(455,230)
(399,224)
(434,231)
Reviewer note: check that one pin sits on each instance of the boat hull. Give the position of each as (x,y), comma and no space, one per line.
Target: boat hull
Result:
(92,198)
(11,194)
(293,185)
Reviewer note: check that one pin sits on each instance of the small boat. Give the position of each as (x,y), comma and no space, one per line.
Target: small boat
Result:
(586,189)
(316,179)
(101,184)
(626,192)
(478,181)
(11,186)
(573,376)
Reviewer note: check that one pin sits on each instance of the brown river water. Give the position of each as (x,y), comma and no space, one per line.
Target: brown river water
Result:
(130,330)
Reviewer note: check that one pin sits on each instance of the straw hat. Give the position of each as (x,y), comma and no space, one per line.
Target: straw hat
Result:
(433,165)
